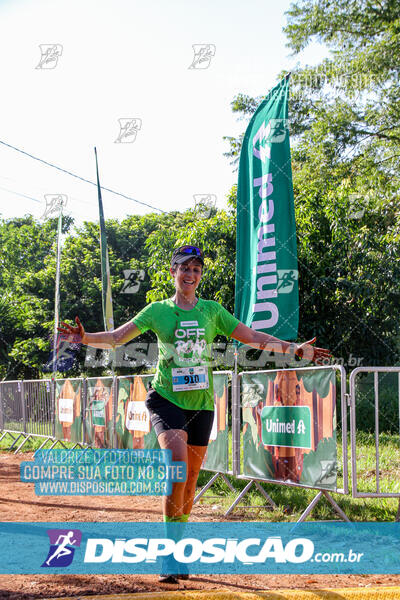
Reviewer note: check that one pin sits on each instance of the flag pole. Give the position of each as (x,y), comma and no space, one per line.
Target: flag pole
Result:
(106,295)
(235,413)
(105,267)
(57,291)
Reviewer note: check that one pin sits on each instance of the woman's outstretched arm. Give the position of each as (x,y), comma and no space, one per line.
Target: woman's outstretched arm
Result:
(264,341)
(102,339)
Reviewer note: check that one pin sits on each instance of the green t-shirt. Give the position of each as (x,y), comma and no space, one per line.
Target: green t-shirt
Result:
(185,340)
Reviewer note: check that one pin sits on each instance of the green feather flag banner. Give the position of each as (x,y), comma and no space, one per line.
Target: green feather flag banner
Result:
(105,267)
(266,292)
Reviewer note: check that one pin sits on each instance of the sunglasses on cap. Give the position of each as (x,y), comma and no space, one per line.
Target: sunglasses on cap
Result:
(185,252)
(190,250)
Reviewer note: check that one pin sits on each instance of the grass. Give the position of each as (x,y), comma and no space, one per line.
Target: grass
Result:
(30,446)
(35,427)
(389,462)
(291,501)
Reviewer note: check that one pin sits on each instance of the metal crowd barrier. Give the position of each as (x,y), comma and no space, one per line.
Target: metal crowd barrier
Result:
(39,407)
(363,380)
(217,459)
(26,410)
(255,478)
(69,402)
(101,411)
(90,411)
(12,410)
(133,428)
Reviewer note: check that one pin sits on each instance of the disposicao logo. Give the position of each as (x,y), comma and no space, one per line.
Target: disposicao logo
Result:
(62,547)
(190,550)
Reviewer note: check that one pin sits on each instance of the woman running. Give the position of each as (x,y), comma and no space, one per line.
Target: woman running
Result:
(181,401)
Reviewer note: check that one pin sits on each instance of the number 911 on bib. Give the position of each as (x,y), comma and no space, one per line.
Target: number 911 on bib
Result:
(189,378)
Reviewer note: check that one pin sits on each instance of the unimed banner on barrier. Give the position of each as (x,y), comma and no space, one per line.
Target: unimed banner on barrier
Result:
(289,427)
(133,426)
(217,455)
(98,415)
(68,409)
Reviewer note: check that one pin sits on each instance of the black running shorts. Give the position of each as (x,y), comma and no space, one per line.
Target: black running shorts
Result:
(166,415)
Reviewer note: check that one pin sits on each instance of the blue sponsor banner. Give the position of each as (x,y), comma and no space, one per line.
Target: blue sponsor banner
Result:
(102,472)
(201,548)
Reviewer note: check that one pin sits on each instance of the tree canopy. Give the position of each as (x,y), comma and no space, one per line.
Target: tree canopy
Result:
(137,244)
(345,128)
(345,125)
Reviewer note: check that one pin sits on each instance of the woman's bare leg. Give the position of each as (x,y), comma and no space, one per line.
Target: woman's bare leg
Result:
(175,440)
(195,455)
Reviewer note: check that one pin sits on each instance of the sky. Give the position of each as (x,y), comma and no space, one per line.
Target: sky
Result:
(132,61)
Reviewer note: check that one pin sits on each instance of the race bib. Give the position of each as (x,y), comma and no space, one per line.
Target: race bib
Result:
(189,378)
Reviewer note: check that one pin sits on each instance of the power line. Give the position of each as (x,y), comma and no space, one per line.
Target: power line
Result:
(79,177)
(19,194)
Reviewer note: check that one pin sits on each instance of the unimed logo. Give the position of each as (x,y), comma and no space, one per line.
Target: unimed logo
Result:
(62,547)
(190,550)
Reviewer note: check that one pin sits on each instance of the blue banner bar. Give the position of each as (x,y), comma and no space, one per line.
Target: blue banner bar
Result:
(251,548)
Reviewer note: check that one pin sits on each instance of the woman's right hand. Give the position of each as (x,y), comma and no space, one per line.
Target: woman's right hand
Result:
(73,334)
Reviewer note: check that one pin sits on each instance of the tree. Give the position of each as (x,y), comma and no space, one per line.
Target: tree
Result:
(26,245)
(142,245)
(345,126)
(27,277)
(215,235)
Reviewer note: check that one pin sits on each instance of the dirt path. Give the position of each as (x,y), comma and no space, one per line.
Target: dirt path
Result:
(19,503)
